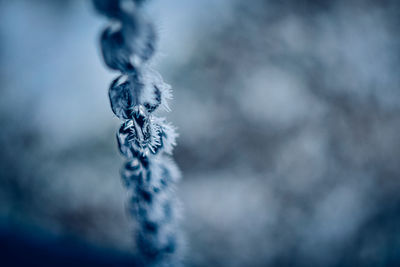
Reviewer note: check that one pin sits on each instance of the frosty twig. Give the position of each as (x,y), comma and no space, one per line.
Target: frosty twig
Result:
(145,140)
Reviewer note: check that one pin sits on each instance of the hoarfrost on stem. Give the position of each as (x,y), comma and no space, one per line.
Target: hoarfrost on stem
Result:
(146,141)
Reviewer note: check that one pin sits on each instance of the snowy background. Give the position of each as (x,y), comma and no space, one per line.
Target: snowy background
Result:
(289,122)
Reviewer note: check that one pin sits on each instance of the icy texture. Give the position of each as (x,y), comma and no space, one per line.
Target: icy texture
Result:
(144,139)
(147,87)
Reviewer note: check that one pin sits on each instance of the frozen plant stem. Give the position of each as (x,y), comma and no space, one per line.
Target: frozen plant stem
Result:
(146,141)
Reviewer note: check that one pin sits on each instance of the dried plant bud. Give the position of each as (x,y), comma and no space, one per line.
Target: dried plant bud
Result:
(128,44)
(122,98)
(109,8)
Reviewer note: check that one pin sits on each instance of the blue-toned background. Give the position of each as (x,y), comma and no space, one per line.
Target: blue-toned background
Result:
(289,122)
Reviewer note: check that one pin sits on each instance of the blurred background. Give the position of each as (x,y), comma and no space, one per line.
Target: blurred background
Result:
(289,122)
